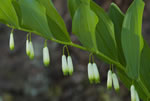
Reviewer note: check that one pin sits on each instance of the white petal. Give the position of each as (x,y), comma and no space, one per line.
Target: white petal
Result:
(64,65)
(11,42)
(46,58)
(70,65)
(96,73)
(115,82)
(90,73)
(137,96)
(31,50)
(133,94)
(27,48)
(109,79)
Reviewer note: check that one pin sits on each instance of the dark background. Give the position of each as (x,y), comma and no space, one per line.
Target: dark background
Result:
(24,80)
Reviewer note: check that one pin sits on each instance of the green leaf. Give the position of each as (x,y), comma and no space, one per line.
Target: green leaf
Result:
(56,23)
(34,17)
(117,17)
(7,13)
(84,24)
(105,36)
(145,66)
(132,41)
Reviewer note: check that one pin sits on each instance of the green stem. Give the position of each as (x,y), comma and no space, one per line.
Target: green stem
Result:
(98,53)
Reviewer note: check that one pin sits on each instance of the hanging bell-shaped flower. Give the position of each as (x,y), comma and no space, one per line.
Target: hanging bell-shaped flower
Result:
(109,79)
(11,42)
(31,50)
(64,65)
(96,73)
(137,96)
(70,65)
(27,48)
(90,73)
(115,82)
(46,58)
(133,93)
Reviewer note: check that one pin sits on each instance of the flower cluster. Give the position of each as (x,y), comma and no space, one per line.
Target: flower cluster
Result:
(93,73)
(112,79)
(67,65)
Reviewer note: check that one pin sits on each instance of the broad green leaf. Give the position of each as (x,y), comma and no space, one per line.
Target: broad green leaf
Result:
(145,67)
(56,23)
(84,25)
(132,41)
(7,13)
(105,36)
(34,17)
(117,17)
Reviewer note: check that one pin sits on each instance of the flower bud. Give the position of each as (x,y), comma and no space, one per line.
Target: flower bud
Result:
(109,79)
(96,73)
(27,47)
(64,65)
(70,65)
(46,58)
(90,73)
(11,42)
(31,51)
(115,82)
(133,93)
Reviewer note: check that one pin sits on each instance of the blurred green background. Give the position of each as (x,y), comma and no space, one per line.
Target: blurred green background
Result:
(24,80)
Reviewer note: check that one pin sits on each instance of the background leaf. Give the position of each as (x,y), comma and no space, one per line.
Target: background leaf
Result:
(7,13)
(105,36)
(117,18)
(84,25)
(132,41)
(55,22)
(34,17)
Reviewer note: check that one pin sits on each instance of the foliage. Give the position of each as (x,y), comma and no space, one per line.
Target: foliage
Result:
(113,37)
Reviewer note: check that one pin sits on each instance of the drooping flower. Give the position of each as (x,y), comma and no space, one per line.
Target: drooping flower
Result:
(115,82)
(109,79)
(137,96)
(133,93)
(96,73)
(70,65)
(46,58)
(90,73)
(31,50)
(27,48)
(11,42)
(64,65)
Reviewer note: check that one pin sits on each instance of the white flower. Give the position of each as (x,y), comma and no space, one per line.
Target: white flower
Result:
(115,82)
(133,93)
(70,65)
(96,73)
(64,65)
(137,96)
(11,42)
(31,51)
(90,73)
(46,58)
(109,79)
(27,47)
